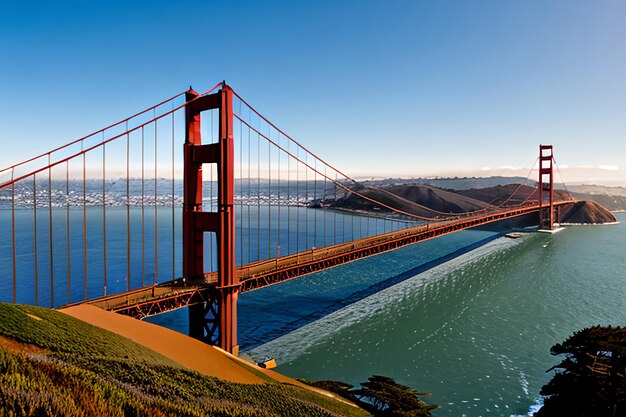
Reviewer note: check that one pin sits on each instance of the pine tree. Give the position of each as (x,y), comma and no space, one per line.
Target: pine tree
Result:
(591,379)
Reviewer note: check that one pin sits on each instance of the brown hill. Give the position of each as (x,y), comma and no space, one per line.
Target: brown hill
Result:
(436,198)
(499,194)
(585,212)
(415,199)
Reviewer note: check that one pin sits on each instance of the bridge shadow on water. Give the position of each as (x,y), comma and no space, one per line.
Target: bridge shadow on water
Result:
(260,323)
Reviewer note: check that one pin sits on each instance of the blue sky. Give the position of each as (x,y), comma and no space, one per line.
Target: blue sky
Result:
(389,88)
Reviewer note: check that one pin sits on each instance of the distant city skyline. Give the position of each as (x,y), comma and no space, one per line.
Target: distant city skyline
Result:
(393,89)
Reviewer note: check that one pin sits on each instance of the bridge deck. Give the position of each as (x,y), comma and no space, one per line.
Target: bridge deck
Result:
(169,296)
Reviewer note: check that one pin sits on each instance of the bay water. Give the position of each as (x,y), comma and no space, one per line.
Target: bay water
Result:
(469,317)
(476,330)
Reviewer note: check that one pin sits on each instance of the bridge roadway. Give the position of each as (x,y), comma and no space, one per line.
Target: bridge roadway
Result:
(176,294)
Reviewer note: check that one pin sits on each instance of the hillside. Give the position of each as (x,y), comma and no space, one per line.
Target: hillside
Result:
(436,199)
(55,365)
(429,202)
(586,212)
(500,193)
(420,200)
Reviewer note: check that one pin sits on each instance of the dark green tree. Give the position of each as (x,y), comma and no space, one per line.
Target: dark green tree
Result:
(591,379)
(384,397)
(381,396)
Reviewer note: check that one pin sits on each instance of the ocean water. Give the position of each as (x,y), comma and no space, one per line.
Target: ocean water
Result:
(474,331)
(469,317)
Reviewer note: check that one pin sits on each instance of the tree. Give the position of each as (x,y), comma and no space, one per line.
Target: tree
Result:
(591,379)
(381,396)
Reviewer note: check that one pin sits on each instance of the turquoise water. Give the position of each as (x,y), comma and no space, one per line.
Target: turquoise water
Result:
(475,331)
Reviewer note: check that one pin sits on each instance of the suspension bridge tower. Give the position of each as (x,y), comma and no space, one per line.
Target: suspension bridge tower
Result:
(215,320)
(546,188)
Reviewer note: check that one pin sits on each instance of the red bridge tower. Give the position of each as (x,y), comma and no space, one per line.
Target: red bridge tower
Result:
(214,321)
(546,211)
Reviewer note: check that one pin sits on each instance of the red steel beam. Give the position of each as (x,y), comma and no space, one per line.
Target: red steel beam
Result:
(227,280)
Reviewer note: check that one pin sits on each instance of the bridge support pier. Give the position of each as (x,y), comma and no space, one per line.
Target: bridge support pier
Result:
(546,211)
(214,321)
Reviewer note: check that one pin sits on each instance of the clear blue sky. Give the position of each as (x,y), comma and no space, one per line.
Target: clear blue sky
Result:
(377,88)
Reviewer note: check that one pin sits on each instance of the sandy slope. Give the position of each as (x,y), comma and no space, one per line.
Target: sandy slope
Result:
(186,351)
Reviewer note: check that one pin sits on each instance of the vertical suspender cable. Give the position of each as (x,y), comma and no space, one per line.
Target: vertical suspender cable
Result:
(173,202)
(35,239)
(50,233)
(127,208)
(240,189)
(315,201)
(278,197)
(258,185)
(352,220)
(104,214)
(67,229)
(82,144)
(143,210)
(322,201)
(269,202)
(13,235)
(156,208)
(335,212)
(249,190)
(306,200)
(297,201)
(288,251)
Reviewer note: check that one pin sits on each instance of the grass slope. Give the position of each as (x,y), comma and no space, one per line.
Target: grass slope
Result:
(54,365)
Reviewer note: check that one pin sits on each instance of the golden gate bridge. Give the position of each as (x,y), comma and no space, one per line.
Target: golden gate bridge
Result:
(256,210)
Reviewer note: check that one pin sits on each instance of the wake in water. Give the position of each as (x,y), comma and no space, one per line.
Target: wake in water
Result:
(289,347)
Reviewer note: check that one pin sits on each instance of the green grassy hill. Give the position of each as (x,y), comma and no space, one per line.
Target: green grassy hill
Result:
(54,365)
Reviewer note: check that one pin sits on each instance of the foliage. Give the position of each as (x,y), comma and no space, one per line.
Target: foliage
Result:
(591,379)
(58,332)
(342,389)
(382,396)
(87,371)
